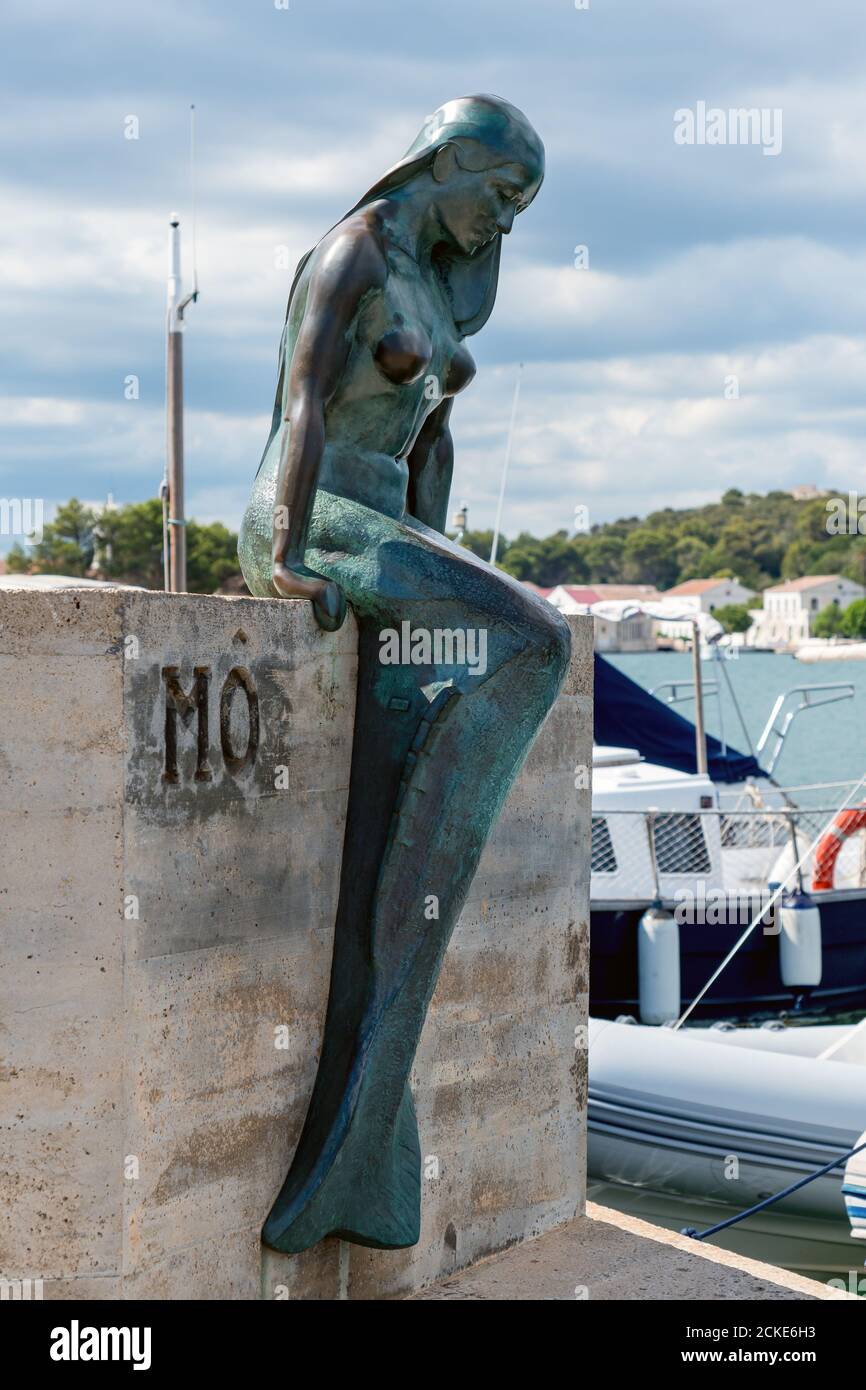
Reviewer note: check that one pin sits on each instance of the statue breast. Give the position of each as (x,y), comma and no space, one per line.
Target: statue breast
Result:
(461,370)
(403,355)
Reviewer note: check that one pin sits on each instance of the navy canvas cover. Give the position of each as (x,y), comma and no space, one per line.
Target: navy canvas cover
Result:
(627,716)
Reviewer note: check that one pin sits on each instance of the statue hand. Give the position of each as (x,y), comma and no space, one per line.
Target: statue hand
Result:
(327,598)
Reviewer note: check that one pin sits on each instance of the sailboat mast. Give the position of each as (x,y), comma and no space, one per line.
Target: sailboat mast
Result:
(495,546)
(700,727)
(174,416)
(174,519)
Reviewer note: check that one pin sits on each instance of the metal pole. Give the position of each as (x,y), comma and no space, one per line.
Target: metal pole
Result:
(166,568)
(717,657)
(650,819)
(792,828)
(174,417)
(733,694)
(700,734)
(494,547)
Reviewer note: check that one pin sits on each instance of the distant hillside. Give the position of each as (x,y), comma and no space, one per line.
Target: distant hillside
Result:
(760,539)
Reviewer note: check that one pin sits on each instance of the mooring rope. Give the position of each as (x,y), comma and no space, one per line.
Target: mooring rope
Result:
(782,888)
(768,1201)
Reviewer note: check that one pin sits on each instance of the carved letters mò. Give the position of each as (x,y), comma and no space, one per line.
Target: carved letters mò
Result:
(186,706)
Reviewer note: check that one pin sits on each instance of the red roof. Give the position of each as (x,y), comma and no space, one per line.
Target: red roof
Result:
(698,586)
(580,595)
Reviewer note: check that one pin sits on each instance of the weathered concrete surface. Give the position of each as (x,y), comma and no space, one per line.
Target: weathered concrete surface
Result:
(501,1073)
(166,948)
(605,1255)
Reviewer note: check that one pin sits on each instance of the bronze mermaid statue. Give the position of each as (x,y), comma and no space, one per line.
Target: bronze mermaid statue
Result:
(458,664)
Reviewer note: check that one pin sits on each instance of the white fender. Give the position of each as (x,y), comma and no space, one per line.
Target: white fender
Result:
(800,954)
(658,962)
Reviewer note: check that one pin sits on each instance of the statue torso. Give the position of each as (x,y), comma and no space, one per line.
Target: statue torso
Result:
(405,357)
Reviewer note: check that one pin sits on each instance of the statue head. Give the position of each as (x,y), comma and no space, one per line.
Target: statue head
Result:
(486,164)
(476,200)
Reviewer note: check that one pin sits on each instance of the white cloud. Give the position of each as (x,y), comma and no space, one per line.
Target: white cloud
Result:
(626,438)
(704,262)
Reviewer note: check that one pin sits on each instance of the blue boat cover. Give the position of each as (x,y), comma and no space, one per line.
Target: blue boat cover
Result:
(627,716)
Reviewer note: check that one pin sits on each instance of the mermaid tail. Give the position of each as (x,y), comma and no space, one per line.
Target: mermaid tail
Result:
(368,1196)
(356,1171)
(429,776)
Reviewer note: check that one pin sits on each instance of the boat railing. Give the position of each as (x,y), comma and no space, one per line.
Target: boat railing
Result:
(681,691)
(643,853)
(782,715)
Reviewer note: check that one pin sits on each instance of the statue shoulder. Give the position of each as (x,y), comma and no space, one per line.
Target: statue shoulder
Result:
(350,260)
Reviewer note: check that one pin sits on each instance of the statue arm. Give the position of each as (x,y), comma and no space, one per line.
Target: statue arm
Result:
(351,267)
(431,463)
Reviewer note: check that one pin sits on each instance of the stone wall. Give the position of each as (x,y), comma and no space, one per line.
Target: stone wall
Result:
(173,780)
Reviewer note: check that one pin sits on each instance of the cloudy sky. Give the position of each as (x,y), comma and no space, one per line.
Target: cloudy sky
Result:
(706,262)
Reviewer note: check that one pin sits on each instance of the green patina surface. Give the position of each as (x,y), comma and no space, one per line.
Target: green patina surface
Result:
(348,506)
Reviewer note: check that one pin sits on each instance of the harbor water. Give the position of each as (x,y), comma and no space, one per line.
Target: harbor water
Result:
(824,745)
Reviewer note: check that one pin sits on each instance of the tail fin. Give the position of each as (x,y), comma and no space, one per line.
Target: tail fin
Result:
(371,1194)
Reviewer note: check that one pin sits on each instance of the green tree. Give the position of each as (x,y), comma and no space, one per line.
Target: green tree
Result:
(125,544)
(603,551)
(853,621)
(693,558)
(131,549)
(648,559)
(827,623)
(557,559)
(131,544)
(66,547)
(480,542)
(855,560)
(734,617)
(212,556)
(811,521)
(750,548)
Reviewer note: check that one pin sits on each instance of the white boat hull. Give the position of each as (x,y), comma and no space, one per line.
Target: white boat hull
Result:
(725,1117)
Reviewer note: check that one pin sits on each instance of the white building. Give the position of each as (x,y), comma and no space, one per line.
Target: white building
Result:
(699,596)
(789,608)
(631,635)
(807,492)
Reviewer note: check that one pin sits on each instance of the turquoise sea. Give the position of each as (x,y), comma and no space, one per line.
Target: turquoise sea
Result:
(824,745)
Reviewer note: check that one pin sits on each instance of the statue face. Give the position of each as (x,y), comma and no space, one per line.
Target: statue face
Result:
(473,207)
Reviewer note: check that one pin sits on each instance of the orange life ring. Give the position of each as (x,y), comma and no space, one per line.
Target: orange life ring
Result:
(847,823)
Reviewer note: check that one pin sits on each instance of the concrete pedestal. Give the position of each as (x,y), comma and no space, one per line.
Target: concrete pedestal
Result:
(173,782)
